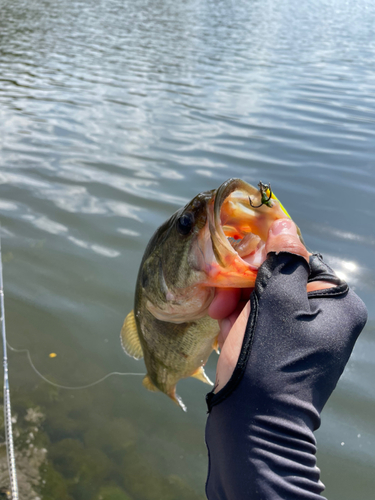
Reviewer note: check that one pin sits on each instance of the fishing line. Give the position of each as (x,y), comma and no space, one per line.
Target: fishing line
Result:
(75,388)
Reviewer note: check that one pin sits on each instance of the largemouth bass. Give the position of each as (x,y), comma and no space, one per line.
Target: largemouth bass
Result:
(216,240)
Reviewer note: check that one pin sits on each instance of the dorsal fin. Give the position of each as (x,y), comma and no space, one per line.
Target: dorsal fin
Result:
(148,383)
(200,374)
(130,338)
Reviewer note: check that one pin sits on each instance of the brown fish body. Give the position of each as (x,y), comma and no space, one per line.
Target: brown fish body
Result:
(167,362)
(215,240)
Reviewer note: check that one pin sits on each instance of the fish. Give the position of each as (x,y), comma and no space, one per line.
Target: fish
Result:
(216,240)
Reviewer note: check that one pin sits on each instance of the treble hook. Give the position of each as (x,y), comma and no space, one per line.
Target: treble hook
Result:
(263,188)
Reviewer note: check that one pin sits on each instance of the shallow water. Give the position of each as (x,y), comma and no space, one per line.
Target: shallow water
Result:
(114,114)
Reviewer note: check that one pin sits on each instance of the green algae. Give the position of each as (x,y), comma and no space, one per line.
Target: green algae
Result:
(112,493)
(144,482)
(74,453)
(54,485)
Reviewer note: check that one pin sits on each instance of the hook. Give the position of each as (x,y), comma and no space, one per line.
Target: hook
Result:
(263,191)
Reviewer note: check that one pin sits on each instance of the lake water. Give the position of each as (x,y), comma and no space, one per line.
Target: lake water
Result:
(113,114)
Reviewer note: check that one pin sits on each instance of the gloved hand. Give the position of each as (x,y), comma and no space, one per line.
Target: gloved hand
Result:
(279,364)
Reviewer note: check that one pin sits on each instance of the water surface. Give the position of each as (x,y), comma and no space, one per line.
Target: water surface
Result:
(114,114)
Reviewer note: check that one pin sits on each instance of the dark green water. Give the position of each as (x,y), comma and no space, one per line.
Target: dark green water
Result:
(112,115)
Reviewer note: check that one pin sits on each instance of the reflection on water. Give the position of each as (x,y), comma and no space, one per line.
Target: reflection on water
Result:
(113,115)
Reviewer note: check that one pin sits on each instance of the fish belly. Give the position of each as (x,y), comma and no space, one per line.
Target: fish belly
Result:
(176,351)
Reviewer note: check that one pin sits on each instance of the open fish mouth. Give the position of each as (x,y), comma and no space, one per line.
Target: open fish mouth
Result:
(238,223)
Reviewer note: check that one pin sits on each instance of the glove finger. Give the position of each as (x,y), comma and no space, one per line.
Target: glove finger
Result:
(281,283)
(320,271)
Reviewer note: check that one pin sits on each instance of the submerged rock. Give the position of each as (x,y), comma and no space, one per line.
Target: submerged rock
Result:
(29,454)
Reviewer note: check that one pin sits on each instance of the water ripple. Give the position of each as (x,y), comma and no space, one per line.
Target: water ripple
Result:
(115,113)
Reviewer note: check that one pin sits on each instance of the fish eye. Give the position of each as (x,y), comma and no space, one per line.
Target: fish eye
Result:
(185,223)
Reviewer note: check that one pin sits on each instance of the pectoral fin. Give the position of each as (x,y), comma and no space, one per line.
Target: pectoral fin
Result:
(200,374)
(130,338)
(148,383)
(215,345)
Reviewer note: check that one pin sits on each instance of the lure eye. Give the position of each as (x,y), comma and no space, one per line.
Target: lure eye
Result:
(185,223)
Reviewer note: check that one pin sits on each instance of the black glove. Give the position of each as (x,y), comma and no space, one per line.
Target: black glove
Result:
(259,432)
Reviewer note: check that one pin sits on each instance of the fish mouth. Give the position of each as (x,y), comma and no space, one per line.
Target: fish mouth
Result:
(238,223)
